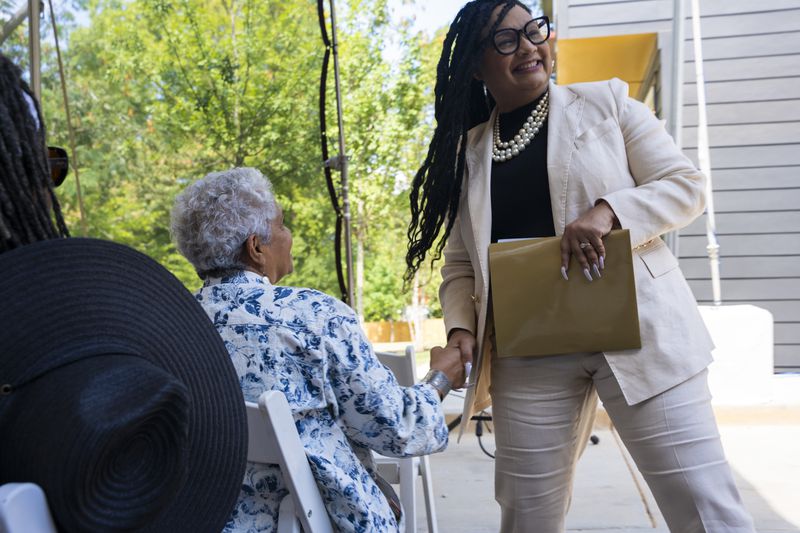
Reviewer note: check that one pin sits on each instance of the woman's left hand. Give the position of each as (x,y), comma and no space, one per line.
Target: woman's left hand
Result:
(583,238)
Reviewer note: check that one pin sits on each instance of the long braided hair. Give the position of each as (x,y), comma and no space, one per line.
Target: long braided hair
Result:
(29,209)
(461,102)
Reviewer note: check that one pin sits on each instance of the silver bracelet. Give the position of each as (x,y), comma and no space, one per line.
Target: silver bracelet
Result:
(438,380)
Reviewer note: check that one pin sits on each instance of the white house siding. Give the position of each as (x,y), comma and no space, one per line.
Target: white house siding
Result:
(752,68)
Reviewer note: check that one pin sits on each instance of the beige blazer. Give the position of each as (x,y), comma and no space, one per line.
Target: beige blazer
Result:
(601,144)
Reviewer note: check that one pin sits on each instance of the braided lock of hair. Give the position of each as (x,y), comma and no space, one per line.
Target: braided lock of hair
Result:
(461,102)
(26,189)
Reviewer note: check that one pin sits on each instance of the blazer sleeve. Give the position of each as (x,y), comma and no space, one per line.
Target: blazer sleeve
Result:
(670,191)
(456,293)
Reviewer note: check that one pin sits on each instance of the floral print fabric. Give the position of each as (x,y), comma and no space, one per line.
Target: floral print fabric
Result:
(310,347)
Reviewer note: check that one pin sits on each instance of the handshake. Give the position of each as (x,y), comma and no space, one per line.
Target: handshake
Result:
(451,365)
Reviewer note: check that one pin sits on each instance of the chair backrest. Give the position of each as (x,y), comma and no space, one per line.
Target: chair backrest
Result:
(403,366)
(273,439)
(23,509)
(405,471)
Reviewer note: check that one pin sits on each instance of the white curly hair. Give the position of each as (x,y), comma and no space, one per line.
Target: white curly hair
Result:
(213,217)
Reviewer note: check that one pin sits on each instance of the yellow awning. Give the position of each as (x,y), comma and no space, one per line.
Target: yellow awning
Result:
(627,57)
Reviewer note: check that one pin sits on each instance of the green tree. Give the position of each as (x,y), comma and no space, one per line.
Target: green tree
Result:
(387,122)
(168,91)
(164,91)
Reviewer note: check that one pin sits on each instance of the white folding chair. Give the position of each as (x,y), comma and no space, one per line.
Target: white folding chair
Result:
(272,439)
(23,509)
(405,471)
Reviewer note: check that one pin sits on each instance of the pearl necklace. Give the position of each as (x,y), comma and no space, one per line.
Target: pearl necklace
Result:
(503,151)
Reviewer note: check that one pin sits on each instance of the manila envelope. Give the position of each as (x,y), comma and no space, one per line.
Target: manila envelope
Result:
(537,312)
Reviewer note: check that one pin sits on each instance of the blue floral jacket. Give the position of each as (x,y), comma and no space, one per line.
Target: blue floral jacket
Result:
(310,346)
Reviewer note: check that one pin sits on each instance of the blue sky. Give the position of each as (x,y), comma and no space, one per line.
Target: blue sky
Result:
(428,15)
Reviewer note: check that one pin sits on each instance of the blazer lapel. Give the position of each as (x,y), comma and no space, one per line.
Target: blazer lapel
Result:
(479,164)
(566,109)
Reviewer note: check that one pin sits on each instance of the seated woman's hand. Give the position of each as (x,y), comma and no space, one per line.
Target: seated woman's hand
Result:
(448,360)
(583,239)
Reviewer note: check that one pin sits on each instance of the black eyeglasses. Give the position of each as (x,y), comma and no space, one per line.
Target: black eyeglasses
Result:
(59,164)
(506,41)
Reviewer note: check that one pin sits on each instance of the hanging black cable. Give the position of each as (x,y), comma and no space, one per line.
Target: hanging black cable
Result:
(325,157)
(70,127)
(479,420)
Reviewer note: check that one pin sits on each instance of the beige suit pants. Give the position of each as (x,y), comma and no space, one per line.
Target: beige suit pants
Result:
(543,410)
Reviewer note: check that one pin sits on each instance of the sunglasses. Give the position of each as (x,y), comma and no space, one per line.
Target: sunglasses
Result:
(59,164)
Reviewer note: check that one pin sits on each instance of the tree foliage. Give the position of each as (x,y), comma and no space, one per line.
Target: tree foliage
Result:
(164,91)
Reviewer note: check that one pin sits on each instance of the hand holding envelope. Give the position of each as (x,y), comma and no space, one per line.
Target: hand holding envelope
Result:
(537,312)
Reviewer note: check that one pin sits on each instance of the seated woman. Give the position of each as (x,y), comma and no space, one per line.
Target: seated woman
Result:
(110,416)
(309,346)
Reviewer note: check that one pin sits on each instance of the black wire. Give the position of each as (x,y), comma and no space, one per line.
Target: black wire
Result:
(480,443)
(323,131)
(483,417)
(454,424)
(479,420)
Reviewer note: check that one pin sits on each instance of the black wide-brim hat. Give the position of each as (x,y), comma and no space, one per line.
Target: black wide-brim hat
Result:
(117,395)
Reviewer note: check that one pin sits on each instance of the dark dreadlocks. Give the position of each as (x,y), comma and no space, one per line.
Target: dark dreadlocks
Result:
(26,189)
(461,102)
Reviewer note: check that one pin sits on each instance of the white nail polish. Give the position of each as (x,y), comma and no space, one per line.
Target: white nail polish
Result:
(602,262)
(564,273)
(596,271)
(587,274)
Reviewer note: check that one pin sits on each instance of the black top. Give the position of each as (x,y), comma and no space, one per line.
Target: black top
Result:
(520,189)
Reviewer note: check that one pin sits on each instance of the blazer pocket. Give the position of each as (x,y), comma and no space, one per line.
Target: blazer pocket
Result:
(658,258)
(596,132)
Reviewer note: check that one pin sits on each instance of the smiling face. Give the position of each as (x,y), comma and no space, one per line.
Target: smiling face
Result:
(517,79)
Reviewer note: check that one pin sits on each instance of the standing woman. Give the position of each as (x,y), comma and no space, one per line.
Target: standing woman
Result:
(515,156)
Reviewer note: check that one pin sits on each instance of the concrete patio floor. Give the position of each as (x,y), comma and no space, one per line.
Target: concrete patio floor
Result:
(762,444)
